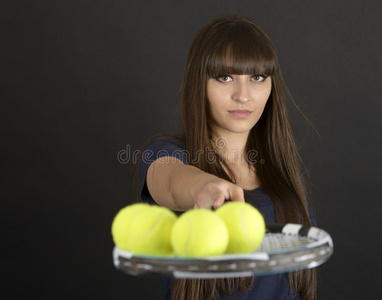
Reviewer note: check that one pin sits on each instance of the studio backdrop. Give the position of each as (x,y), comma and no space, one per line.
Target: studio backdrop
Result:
(86,83)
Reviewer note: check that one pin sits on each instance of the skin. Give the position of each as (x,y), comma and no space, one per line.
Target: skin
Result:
(181,187)
(227,93)
(232,92)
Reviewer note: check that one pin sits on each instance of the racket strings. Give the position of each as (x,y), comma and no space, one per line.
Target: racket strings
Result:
(278,242)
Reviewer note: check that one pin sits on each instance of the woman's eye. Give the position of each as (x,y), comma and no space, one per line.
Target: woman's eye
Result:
(259,78)
(224,78)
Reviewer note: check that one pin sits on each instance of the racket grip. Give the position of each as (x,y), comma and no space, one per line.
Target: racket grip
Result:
(289,229)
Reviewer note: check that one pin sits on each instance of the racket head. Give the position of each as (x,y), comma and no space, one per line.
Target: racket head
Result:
(285,248)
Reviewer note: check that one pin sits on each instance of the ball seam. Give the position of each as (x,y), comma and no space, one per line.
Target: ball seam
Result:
(151,230)
(244,229)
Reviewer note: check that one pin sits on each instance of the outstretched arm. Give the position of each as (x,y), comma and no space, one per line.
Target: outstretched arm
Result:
(180,187)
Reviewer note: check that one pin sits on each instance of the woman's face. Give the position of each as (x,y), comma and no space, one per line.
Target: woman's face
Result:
(236,102)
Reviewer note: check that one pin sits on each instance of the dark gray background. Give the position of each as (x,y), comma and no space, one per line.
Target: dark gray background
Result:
(83,80)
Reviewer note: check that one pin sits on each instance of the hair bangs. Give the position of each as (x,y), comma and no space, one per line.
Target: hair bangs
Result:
(242,51)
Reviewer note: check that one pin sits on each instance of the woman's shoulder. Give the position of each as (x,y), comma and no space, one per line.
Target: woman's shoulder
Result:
(164,146)
(161,140)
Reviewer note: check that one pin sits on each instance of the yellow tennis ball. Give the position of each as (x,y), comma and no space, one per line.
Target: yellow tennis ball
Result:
(150,231)
(199,232)
(245,224)
(121,224)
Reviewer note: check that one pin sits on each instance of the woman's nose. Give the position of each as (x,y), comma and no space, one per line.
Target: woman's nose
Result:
(241,92)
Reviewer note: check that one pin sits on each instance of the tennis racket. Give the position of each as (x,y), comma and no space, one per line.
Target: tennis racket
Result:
(285,248)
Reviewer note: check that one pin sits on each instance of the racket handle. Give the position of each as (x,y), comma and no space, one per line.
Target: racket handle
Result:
(289,229)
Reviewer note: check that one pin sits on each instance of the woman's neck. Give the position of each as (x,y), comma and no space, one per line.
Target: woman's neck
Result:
(232,146)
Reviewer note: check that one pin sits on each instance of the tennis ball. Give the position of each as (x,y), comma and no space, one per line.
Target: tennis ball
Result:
(121,224)
(150,231)
(245,224)
(199,232)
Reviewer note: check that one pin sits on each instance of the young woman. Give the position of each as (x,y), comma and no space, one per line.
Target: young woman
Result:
(236,144)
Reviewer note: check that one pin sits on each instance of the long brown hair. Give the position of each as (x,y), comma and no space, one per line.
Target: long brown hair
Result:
(232,45)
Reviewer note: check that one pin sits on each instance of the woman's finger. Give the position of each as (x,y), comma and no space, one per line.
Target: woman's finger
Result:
(237,194)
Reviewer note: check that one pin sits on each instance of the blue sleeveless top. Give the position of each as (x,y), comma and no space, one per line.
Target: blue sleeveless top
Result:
(275,287)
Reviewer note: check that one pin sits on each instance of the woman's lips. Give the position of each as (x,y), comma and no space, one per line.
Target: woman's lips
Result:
(240,113)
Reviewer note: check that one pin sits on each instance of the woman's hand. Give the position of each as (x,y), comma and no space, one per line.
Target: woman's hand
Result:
(212,192)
